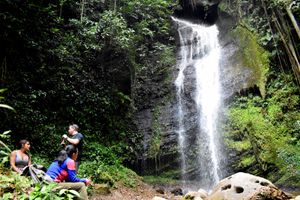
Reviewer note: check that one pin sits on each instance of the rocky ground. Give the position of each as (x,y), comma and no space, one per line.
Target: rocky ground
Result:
(237,186)
(142,192)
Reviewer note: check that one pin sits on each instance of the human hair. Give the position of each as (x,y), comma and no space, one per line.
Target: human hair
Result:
(22,142)
(75,126)
(62,156)
(70,149)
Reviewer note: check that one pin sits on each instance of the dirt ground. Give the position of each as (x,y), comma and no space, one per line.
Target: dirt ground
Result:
(142,192)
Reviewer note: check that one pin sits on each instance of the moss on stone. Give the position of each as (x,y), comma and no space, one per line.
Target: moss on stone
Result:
(252,56)
(155,142)
(164,67)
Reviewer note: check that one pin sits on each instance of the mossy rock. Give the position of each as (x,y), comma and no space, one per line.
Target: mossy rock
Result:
(252,56)
(101,189)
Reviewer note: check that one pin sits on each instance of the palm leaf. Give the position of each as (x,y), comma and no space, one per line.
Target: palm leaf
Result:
(7,106)
(5,146)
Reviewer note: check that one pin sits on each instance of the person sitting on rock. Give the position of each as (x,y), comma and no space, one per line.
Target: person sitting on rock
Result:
(19,159)
(64,169)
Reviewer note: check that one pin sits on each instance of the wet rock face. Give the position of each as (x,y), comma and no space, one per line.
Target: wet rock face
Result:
(200,2)
(202,11)
(156,104)
(237,74)
(233,75)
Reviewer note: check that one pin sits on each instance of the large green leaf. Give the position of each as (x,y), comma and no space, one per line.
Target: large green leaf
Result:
(7,106)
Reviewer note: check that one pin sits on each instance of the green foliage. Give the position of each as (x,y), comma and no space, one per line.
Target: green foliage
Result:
(110,174)
(114,31)
(15,186)
(51,191)
(246,161)
(4,137)
(4,105)
(271,22)
(74,46)
(63,68)
(167,177)
(151,16)
(41,160)
(104,166)
(4,148)
(107,155)
(155,142)
(264,132)
(280,3)
(151,24)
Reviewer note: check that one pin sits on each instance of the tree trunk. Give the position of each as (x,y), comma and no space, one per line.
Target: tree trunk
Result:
(115,6)
(289,48)
(82,10)
(60,10)
(273,34)
(292,18)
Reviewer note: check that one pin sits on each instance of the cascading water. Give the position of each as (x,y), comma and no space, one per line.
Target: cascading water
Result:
(198,98)
(180,88)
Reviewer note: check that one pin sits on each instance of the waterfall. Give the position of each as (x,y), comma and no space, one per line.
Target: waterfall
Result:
(198,92)
(180,88)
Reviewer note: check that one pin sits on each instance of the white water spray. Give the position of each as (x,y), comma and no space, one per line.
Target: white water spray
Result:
(198,63)
(180,88)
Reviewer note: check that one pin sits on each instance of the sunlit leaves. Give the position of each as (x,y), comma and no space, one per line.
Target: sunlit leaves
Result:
(5,105)
(114,30)
(269,126)
(150,18)
(281,3)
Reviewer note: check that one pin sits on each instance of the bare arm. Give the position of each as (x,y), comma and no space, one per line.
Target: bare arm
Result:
(13,161)
(29,160)
(73,141)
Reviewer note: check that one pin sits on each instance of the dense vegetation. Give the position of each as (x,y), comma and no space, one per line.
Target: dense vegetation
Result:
(81,62)
(265,132)
(78,62)
(262,129)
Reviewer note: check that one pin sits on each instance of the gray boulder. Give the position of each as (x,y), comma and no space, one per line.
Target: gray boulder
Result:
(246,187)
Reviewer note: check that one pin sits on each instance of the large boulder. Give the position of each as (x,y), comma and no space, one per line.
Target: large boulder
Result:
(247,187)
